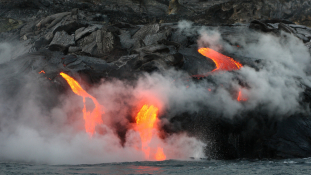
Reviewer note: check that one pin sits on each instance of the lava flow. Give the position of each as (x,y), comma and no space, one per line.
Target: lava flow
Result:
(92,119)
(160,154)
(145,120)
(222,62)
(42,72)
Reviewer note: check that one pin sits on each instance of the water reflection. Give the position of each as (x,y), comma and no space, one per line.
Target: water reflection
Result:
(145,169)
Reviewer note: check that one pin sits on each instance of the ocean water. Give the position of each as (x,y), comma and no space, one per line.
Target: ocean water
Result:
(193,167)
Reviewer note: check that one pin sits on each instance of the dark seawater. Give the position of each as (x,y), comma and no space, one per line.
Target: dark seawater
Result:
(275,167)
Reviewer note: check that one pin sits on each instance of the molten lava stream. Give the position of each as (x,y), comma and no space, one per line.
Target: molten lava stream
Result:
(222,62)
(160,154)
(42,72)
(92,119)
(145,120)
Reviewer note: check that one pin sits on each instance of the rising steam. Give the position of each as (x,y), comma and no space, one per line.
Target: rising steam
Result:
(275,84)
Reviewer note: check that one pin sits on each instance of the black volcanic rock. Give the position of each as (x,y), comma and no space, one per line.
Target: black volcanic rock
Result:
(146,11)
(52,20)
(298,127)
(275,26)
(100,43)
(62,41)
(81,32)
(151,39)
(146,30)
(245,11)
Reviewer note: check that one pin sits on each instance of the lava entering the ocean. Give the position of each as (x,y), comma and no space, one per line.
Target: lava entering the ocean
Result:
(92,119)
(160,154)
(145,120)
(146,123)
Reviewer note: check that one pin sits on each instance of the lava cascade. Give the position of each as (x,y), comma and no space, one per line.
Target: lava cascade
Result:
(160,154)
(92,119)
(146,123)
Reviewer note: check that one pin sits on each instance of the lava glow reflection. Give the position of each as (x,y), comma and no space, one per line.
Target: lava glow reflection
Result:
(146,124)
(92,119)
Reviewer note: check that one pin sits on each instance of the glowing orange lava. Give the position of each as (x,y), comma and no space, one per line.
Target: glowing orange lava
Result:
(160,154)
(145,120)
(222,62)
(241,97)
(92,119)
(42,72)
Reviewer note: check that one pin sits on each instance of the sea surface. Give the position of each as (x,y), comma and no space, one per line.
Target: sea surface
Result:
(193,167)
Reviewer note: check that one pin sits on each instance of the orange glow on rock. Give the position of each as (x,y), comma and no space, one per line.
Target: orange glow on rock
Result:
(241,97)
(42,72)
(223,62)
(146,123)
(92,119)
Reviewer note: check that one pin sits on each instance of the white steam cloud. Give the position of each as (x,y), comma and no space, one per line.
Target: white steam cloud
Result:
(276,87)
(58,137)
(12,50)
